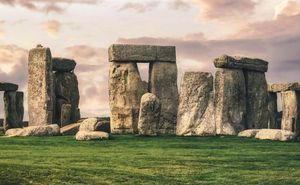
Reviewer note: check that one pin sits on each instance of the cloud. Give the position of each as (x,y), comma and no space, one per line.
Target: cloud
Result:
(139,7)
(287,8)
(222,10)
(179,5)
(46,6)
(1,29)
(52,27)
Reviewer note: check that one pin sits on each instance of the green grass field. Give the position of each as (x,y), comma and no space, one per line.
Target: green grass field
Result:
(127,159)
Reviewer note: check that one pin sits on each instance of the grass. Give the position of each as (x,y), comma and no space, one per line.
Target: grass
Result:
(127,159)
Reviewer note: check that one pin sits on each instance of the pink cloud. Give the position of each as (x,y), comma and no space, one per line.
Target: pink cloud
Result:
(139,7)
(52,27)
(287,8)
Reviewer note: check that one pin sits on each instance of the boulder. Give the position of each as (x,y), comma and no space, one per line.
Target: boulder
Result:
(70,129)
(163,83)
(13,109)
(291,111)
(230,101)
(196,105)
(248,133)
(40,87)
(284,87)
(63,64)
(91,135)
(4,86)
(43,130)
(141,53)
(257,116)
(275,134)
(273,111)
(95,124)
(66,88)
(65,115)
(125,91)
(149,115)
(235,62)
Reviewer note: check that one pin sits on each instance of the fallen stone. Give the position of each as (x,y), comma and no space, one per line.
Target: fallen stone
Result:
(40,87)
(70,129)
(196,105)
(141,53)
(103,124)
(13,109)
(149,115)
(163,83)
(257,116)
(43,130)
(4,86)
(65,116)
(63,64)
(235,62)
(66,88)
(230,101)
(248,133)
(291,111)
(275,134)
(125,91)
(284,87)
(95,124)
(273,111)
(91,135)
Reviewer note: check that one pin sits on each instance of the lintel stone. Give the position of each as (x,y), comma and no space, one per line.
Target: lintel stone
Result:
(4,86)
(63,64)
(235,62)
(141,53)
(284,87)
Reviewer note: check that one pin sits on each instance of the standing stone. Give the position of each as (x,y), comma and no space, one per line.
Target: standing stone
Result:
(66,88)
(257,116)
(163,83)
(273,111)
(65,115)
(230,101)
(125,91)
(291,111)
(149,115)
(40,87)
(14,109)
(196,105)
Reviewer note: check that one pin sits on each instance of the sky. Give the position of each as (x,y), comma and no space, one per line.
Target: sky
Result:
(201,30)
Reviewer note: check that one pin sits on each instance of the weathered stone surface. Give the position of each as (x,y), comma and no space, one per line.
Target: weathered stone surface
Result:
(42,130)
(13,109)
(230,62)
(65,115)
(89,124)
(63,64)
(4,86)
(257,100)
(70,129)
(149,115)
(163,83)
(141,53)
(125,91)
(66,88)
(284,87)
(275,134)
(248,133)
(40,87)
(196,105)
(230,101)
(91,135)
(273,111)
(103,124)
(291,111)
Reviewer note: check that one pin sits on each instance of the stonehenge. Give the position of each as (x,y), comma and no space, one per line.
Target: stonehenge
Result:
(237,100)
(196,105)
(126,87)
(241,97)
(53,94)
(290,96)
(13,106)
(149,115)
